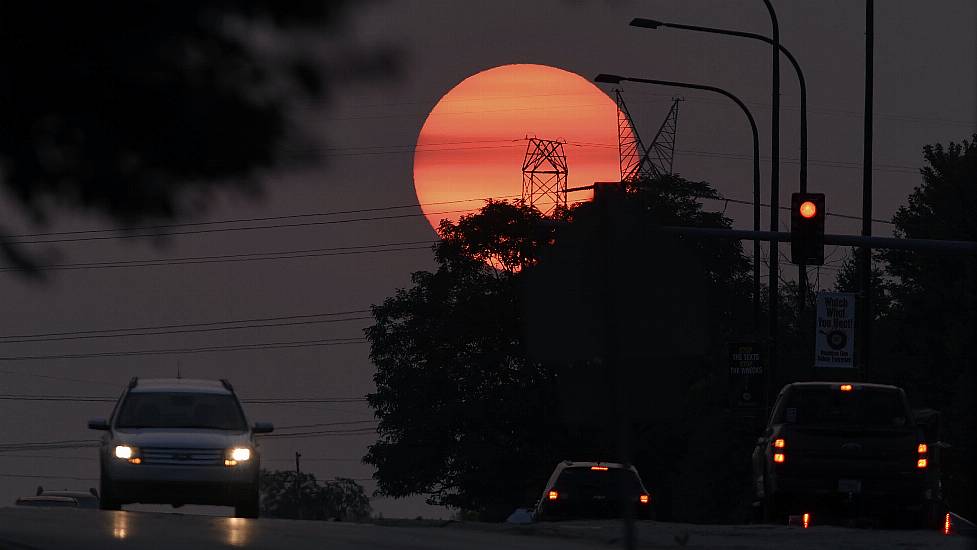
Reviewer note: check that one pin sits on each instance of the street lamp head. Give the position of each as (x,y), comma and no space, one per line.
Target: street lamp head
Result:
(608,79)
(646,23)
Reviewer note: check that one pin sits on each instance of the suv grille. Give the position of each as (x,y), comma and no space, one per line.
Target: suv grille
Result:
(182,457)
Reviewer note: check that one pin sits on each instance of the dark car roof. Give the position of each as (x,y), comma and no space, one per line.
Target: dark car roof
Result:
(71,494)
(47,501)
(177,385)
(838,383)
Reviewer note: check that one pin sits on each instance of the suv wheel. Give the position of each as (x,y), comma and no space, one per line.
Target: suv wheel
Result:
(247,507)
(107,499)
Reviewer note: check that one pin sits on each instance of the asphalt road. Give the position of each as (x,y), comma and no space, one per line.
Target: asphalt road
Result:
(37,528)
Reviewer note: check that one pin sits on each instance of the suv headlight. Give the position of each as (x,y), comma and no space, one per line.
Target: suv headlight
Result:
(237,455)
(127,453)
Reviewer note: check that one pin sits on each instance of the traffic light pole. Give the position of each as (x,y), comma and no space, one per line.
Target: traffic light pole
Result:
(921,245)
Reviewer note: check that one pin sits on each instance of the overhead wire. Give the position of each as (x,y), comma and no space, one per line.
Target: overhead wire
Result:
(183,351)
(183,331)
(186,325)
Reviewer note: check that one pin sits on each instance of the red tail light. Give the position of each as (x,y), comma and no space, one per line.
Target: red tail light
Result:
(779,458)
(553,495)
(779,444)
(946,524)
(644,499)
(806,519)
(921,461)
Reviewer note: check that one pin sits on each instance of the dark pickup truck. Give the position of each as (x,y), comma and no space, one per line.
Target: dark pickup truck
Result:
(844,450)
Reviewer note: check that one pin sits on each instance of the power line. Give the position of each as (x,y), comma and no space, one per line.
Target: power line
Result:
(262,400)
(184,331)
(787,208)
(185,325)
(181,351)
(245,257)
(262,219)
(38,476)
(812,110)
(322,433)
(325,424)
(245,228)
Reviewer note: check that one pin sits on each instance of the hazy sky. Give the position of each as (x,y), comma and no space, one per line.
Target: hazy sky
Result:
(925,83)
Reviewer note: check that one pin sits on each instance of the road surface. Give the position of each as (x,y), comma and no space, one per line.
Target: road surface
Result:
(56,528)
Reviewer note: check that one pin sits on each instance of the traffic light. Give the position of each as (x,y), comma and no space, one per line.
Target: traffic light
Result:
(807,228)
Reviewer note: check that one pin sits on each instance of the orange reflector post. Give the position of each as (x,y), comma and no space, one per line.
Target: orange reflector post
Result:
(845,387)
(922,448)
(644,499)
(779,458)
(806,518)
(921,463)
(599,468)
(553,495)
(946,524)
(779,444)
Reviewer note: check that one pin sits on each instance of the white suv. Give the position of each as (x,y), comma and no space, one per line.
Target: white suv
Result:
(179,441)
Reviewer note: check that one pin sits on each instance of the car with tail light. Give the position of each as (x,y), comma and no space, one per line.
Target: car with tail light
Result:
(179,441)
(843,449)
(584,490)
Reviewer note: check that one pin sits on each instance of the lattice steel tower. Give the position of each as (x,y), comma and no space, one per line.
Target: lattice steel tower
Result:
(637,161)
(544,175)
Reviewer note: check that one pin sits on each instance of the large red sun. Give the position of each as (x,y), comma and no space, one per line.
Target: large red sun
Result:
(473,143)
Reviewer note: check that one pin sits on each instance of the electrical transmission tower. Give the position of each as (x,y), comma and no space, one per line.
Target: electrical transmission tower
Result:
(637,161)
(544,175)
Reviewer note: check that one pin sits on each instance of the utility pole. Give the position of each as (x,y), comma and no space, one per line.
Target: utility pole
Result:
(605,196)
(865,270)
(298,486)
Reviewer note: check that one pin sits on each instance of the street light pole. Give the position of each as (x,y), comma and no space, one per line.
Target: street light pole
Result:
(614,79)
(774,281)
(802,84)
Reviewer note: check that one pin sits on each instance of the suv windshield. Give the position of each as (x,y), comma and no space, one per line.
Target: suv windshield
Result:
(181,410)
(827,406)
(587,482)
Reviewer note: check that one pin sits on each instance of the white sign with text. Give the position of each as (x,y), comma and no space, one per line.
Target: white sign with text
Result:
(835,330)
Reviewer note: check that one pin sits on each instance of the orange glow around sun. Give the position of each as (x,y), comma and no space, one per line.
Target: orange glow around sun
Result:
(473,142)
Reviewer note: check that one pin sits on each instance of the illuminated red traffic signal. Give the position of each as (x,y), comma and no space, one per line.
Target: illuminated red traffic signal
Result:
(808,209)
(807,228)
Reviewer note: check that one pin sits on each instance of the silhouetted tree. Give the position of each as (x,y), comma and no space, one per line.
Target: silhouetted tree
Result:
(470,420)
(933,316)
(341,499)
(136,110)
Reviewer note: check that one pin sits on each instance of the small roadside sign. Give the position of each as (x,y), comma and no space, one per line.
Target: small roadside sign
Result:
(745,375)
(834,338)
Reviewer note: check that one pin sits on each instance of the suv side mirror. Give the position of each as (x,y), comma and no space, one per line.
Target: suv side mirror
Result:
(98,424)
(263,428)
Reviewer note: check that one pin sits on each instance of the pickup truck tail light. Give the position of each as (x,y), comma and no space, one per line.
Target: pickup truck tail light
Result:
(921,461)
(779,445)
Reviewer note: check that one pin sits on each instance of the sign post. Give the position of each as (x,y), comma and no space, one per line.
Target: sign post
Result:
(834,338)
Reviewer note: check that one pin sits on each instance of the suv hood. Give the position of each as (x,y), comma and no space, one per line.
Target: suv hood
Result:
(184,438)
